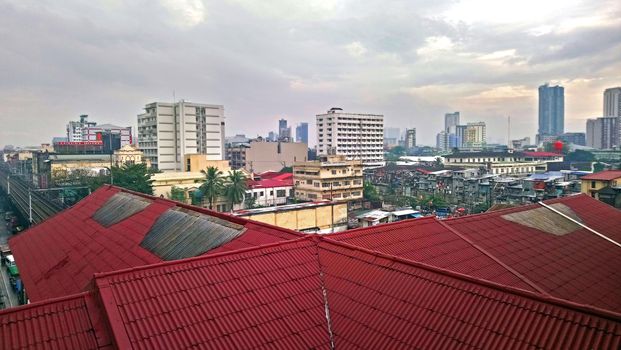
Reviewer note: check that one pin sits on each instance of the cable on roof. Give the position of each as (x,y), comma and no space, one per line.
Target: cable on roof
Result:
(580,224)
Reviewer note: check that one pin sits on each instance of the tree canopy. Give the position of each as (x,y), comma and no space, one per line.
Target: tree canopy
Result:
(135,177)
(235,187)
(213,185)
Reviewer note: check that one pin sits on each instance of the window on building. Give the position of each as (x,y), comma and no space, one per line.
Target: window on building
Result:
(272,193)
(333,172)
(316,184)
(281,193)
(592,184)
(309,182)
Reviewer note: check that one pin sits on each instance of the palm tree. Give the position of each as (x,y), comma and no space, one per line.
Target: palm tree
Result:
(235,187)
(212,185)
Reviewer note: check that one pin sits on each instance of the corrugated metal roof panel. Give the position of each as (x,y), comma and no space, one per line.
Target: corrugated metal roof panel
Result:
(119,207)
(273,296)
(67,323)
(180,233)
(577,266)
(59,256)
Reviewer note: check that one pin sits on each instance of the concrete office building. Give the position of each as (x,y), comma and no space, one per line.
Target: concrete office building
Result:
(410,138)
(475,135)
(354,135)
(188,128)
(551,111)
(111,136)
(602,133)
(259,156)
(331,177)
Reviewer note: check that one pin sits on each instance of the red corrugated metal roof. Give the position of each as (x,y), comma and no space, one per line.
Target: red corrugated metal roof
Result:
(429,241)
(73,322)
(578,266)
(270,183)
(59,256)
(277,296)
(311,292)
(606,175)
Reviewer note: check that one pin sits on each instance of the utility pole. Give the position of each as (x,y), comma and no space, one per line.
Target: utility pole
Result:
(110,145)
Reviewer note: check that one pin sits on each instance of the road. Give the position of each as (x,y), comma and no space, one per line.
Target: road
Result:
(5,286)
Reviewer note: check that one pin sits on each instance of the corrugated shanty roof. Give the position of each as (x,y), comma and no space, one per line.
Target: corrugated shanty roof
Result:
(105,230)
(606,175)
(74,322)
(561,257)
(317,293)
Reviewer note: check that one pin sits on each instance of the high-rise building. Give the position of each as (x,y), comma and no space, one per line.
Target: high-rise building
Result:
(301,133)
(602,133)
(111,136)
(410,138)
(612,102)
(551,111)
(354,135)
(475,135)
(442,141)
(460,132)
(612,108)
(451,120)
(284,132)
(188,128)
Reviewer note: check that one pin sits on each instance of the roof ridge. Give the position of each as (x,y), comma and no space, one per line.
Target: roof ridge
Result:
(224,216)
(201,257)
(46,302)
(493,257)
(505,288)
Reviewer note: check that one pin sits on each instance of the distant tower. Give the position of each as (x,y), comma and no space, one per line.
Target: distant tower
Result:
(551,111)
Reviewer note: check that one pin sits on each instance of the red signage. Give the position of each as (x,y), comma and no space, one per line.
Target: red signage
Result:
(80,143)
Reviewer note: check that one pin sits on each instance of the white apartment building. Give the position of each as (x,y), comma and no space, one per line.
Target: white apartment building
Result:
(410,138)
(356,136)
(169,131)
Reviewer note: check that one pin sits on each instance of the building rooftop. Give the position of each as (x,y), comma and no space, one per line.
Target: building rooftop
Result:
(114,229)
(606,175)
(314,293)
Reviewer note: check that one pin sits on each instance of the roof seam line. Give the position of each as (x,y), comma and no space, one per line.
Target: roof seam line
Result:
(491,256)
(324,292)
(580,224)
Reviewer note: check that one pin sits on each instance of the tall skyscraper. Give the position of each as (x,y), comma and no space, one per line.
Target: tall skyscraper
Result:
(355,135)
(284,132)
(612,102)
(602,133)
(551,111)
(301,133)
(451,120)
(410,138)
(182,126)
(612,108)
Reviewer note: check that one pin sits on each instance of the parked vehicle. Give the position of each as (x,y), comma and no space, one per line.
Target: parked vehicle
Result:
(11,267)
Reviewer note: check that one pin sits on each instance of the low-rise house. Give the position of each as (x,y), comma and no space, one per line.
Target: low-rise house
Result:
(604,186)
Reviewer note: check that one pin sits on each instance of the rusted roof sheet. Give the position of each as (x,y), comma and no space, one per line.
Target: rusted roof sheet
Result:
(119,207)
(180,233)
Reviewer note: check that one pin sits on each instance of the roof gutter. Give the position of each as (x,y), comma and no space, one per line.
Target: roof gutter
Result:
(580,224)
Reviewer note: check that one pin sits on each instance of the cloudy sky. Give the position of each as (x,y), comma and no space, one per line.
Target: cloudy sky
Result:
(411,60)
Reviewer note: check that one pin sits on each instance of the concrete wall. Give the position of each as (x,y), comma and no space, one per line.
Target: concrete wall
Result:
(266,156)
(306,218)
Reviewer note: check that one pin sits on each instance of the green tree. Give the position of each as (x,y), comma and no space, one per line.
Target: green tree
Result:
(235,187)
(580,156)
(369,192)
(212,185)
(135,177)
(286,169)
(177,194)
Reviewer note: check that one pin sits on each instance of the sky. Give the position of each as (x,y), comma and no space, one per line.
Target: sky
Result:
(410,60)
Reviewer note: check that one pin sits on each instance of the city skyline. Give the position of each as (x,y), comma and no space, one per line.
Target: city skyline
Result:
(108,59)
